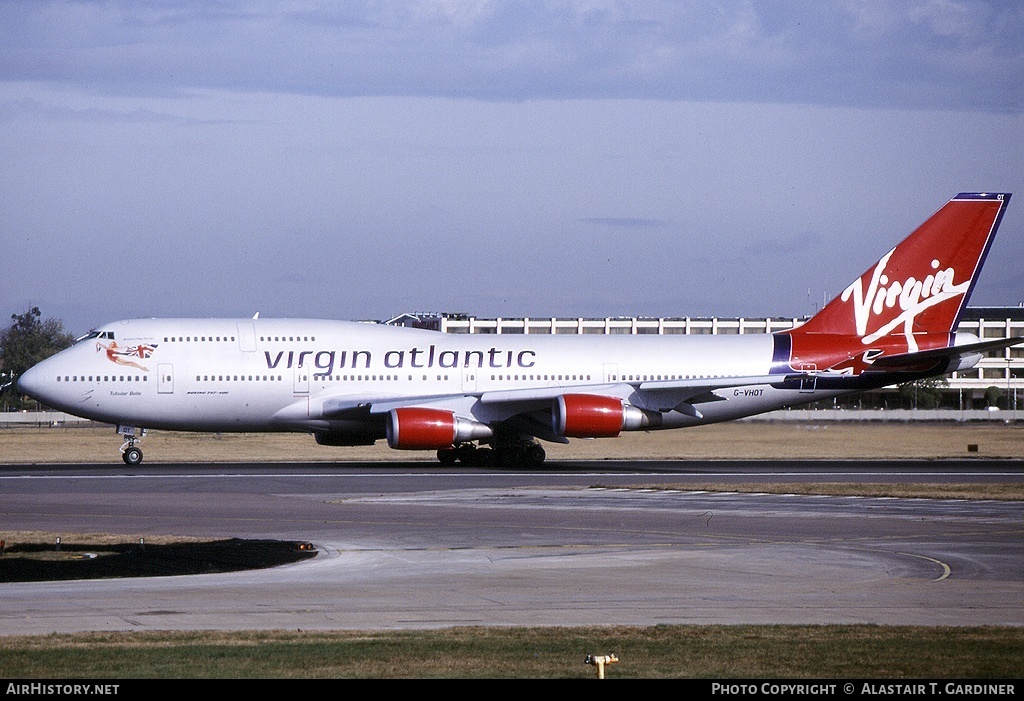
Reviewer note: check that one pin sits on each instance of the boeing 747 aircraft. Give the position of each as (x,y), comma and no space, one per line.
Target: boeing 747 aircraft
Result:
(486,399)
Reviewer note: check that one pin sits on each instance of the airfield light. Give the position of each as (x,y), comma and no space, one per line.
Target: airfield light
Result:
(600,661)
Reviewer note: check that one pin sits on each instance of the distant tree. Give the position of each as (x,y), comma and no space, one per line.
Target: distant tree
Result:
(28,340)
(992,396)
(923,394)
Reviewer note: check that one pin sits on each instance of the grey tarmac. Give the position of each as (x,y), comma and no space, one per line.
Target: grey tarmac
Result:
(417,546)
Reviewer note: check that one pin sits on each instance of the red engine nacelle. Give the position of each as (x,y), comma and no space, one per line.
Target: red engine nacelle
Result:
(591,416)
(418,428)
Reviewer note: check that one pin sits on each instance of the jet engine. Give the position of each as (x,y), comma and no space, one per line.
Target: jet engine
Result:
(592,416)
(420,428)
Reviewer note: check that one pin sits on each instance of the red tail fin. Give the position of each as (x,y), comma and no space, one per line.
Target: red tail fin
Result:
(921,286)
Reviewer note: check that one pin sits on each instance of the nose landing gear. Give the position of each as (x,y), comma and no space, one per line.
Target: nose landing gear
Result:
(131,453)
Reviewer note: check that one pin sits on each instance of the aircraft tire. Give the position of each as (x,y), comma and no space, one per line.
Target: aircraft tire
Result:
(534,455)
(132,456)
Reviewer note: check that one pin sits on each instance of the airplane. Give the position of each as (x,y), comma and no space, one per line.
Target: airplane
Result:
(486,400)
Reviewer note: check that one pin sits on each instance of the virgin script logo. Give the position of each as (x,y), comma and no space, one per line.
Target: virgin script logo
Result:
(887,304)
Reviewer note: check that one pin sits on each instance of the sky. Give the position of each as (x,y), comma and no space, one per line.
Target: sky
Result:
(594,158)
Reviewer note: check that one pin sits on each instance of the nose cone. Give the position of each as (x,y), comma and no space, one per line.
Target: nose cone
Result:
(33,383)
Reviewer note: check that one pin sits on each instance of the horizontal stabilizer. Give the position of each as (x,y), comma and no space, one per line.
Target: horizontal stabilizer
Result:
(908,360)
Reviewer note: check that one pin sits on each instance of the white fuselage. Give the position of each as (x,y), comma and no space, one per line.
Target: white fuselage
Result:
(279,374)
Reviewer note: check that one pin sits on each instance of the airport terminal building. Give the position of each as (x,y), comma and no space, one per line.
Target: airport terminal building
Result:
(996,381)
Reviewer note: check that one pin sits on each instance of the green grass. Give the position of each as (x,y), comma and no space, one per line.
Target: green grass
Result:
(850,652)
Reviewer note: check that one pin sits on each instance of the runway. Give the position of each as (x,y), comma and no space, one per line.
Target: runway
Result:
(414,545)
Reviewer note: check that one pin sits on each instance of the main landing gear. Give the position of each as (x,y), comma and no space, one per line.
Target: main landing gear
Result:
(520,453)
(131,453)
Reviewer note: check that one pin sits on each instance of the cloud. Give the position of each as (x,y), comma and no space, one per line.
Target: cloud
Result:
(29,109)
(625,222)
(926,54)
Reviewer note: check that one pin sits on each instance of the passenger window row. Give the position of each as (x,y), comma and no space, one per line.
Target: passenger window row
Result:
(198,339)
(541,378)
(230,339)
(365,378)
(102,378)
(238,378)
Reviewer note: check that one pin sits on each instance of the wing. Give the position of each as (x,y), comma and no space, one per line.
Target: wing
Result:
(531,410)
(660,395)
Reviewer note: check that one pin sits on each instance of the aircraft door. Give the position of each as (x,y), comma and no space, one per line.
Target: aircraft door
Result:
(246,336)
(611,371)
(302,380)
(165,378)
(469,379)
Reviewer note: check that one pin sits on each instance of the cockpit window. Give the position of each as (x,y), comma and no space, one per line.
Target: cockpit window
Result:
(96,334)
